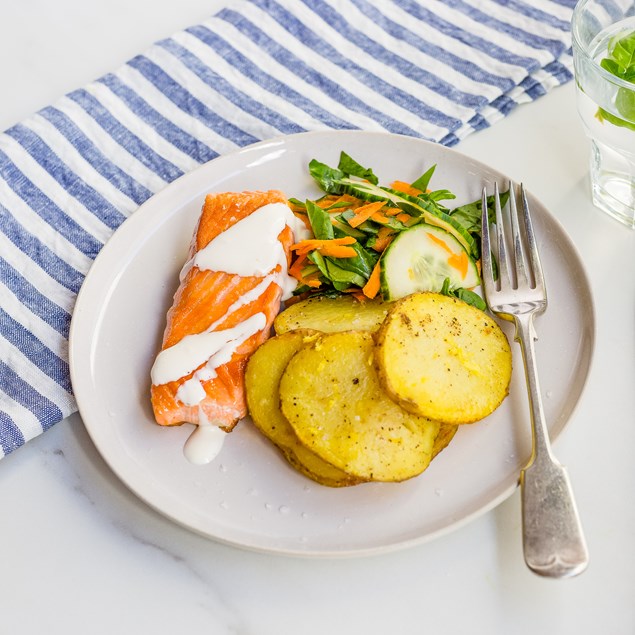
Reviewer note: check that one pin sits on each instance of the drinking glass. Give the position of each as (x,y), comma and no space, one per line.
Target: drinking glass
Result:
(603,34)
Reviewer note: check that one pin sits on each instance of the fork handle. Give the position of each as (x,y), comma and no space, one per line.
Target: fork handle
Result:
(553,541)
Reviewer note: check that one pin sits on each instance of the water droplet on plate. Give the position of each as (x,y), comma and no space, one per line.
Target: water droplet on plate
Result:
(283,509)
(223,505)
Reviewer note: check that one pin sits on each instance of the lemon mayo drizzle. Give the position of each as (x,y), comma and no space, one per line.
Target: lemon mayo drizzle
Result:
(251,246)
(193,350)
(204,444)
(191,391)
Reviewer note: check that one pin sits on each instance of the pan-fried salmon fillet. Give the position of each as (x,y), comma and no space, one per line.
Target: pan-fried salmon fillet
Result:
(218,318)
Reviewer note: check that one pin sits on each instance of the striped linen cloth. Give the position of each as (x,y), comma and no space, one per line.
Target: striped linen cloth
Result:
(73,172)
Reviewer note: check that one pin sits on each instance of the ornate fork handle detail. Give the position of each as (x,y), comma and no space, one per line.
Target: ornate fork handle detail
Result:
(553,542)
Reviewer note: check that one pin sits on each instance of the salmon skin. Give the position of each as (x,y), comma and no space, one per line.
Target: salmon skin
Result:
(202,301)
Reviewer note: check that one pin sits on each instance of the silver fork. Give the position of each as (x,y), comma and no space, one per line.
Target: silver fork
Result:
(553,542)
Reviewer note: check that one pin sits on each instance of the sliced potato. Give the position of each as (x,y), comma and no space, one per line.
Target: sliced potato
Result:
(318,470)
(446,434)
(331,315)
(262,378)
(442,358)
(330,395)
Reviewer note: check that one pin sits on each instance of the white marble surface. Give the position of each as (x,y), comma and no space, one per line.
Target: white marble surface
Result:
(80,554)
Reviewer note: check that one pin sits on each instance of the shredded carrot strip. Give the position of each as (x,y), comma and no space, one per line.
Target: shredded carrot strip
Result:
(327,201)
(332,199)
(371,288)
(404,218)
(384,238)
(304,246)
(439,242)
(459,262)
(381,218)
(406,188)
(356,292)
(295,269)
(347,198)
(365,212)
(338,251)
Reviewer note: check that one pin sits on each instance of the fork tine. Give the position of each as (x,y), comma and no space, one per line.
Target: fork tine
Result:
(487,270)
(503,263)
(534,257)
(519,250)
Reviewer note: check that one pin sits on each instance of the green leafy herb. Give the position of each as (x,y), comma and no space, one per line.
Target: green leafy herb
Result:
(621,63)
(622,50)
(470,215)
(440,195)
(325,176)
(339,277)
(365,228)
(466,295)
(338,205)
(423,181)
(350,167)
(320,221)
(341,229)
(302,288)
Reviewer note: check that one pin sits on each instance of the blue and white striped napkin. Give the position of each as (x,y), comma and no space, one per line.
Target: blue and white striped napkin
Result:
(72,173)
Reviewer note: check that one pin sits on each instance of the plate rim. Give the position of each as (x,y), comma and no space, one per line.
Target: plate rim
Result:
(163,195)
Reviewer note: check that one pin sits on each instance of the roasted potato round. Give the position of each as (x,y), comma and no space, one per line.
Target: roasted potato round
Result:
(264,369)
(441,358)
(330,395)
(446,434)
(331,315)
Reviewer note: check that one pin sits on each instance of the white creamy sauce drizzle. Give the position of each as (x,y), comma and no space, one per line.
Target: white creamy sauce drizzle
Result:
(205,442)
(191,392)
(249,248)
(193,350)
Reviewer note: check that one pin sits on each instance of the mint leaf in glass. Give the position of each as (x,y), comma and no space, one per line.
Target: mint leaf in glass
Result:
(621,63)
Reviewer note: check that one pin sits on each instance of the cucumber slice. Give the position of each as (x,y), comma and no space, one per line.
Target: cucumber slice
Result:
(421,258)
(448,224)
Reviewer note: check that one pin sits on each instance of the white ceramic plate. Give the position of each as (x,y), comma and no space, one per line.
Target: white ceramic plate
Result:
(249,496)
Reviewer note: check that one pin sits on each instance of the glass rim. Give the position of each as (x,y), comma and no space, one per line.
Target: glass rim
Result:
(576,41)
